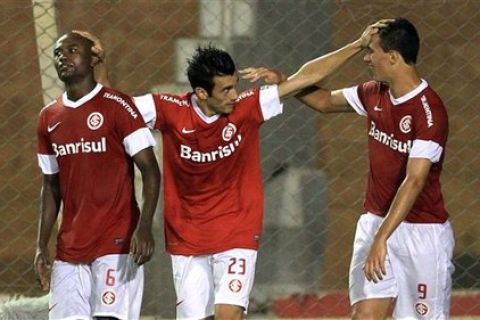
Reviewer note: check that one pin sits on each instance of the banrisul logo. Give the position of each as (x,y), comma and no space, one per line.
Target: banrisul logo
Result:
(389,139)
(81,146)
(221,152)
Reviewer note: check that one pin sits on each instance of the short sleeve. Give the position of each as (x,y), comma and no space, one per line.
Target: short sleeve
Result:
(426,149)
(131,128)
(138,140)
(146,106)
(47,160)
(270,103)
(431,120)
(352,96)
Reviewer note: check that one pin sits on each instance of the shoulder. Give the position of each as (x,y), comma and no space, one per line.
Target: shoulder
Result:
(50,107)
(247,95)
(173,100)
(120,100)
(374,87)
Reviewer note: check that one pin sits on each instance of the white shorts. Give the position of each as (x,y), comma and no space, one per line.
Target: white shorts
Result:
(221,278)
(110,286)
(419,268)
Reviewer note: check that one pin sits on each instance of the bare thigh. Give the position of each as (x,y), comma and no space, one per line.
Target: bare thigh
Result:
(372,309)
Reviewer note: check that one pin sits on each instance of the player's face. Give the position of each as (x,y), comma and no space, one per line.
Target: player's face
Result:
(377,60)
(73,59)
(224,94)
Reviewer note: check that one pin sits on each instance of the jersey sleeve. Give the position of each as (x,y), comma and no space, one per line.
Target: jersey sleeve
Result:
(431,129)
(353,99)
(47,160)
(132,129)
(270,103)
(146,106)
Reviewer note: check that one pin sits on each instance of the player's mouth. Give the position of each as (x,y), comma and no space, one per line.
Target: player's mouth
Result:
(64,66)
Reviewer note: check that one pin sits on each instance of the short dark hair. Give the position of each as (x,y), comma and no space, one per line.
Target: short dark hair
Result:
(402,36)
(206,63)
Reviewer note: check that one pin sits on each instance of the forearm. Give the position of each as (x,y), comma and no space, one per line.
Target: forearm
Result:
(401,205)
(318,69)
(323,66)
(49,208)
(150,191)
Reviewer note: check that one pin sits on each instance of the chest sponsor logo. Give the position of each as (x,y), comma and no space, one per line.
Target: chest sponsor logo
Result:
(428,111)
(389,139)
(221,152)
(405,124)
(81,146)
(228,132)
(94,120)
(51,128)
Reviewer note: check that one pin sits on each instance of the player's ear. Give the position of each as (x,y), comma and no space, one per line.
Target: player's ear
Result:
(394,56)
(201,93)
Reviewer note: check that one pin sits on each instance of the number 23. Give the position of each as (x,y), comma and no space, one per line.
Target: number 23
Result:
(237,266)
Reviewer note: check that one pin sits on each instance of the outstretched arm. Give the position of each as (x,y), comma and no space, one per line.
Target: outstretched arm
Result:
(313,72)
(50,200)
(318,69)
(142,245)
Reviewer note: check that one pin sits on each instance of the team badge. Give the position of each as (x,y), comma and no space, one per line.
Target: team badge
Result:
(95,120)
(229,131)
(235,285)
(406,124)
(108,297)
(421,308)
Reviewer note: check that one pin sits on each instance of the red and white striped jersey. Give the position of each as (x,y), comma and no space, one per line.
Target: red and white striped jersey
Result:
(414,125)
(89,143)
(211,167)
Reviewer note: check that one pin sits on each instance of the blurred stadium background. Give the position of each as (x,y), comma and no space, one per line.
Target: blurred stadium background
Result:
(314,165)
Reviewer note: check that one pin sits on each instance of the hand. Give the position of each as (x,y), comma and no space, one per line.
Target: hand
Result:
(142,245)
(372,29)
(97,48)
(42,267)
(270,76)
(374,267)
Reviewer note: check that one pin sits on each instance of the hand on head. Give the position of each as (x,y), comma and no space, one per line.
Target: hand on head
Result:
(372,29)
(97,48)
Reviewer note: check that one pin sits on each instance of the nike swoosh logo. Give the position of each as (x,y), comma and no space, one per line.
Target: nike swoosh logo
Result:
(53,306)
(50,129)
(185,130)
(377,108)
(179,303)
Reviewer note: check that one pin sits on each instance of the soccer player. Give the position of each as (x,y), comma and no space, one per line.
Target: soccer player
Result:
(88,140)
(404,243)
(213,191)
